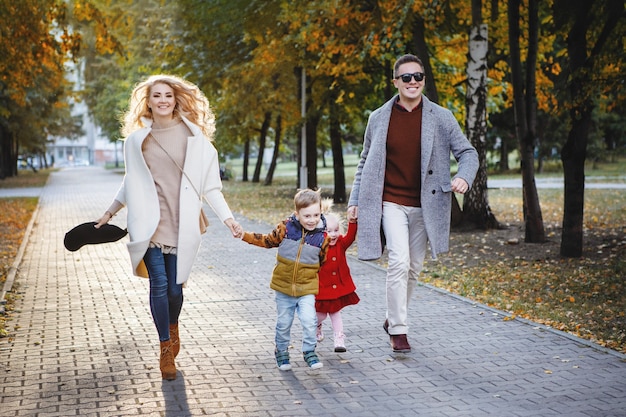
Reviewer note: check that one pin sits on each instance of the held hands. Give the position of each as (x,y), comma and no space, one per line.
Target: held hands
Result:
(235,228)
(353,214)
(459,186)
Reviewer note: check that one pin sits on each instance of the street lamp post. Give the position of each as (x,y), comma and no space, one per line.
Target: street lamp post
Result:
(303,160)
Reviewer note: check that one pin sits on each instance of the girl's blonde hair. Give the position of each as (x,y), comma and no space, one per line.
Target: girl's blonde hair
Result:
(190,102)
(327,205)
(340,221)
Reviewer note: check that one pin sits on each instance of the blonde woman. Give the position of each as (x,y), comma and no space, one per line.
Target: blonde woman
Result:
(171,166)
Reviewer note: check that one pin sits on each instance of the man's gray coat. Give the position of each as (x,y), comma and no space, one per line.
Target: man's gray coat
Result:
(441,135)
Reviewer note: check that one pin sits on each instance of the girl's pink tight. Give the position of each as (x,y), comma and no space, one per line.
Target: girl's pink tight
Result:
(335,321)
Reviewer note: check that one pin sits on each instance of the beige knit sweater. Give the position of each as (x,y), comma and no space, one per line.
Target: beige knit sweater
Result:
(167,176)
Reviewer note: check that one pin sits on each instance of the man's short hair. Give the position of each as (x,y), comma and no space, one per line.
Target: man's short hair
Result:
(405,59)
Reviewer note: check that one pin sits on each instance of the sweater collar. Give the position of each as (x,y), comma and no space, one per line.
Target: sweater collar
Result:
(147,122)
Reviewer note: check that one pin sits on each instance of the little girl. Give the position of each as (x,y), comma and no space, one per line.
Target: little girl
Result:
(337,289)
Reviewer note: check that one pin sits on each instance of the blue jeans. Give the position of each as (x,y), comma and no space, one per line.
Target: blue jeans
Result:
(166,296)
(286,306)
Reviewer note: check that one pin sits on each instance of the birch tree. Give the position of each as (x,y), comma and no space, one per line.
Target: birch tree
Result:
(475,203)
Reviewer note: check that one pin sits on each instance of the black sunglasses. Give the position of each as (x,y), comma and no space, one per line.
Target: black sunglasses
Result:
(419,76)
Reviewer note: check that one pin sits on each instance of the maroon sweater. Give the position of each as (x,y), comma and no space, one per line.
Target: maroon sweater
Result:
(403,181)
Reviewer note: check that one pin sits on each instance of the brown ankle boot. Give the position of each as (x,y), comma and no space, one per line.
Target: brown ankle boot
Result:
(174,339)
(168,367)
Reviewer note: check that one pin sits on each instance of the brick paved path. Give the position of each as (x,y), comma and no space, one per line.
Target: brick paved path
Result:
(84,343)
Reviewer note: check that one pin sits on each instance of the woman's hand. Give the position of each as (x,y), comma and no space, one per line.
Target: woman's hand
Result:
(235,228)
(106,217)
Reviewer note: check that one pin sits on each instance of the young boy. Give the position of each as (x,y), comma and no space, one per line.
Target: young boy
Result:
(302,244)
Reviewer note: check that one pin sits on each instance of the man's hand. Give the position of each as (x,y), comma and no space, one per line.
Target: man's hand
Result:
(459,185)
(353,214)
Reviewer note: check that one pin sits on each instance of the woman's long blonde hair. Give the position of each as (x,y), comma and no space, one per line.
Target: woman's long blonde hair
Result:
(190,102)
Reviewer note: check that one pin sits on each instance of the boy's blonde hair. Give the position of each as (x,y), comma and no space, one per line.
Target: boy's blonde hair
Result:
(307,197)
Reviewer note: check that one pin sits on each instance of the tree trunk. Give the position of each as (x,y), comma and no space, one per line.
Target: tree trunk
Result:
(582,59)
(277,139)
(456,214)
(574,152)
(421,49)
(504,156)
(525,117)
(8,156)
(246,159)
(311,149)
(262,139)
(339,194)
(541,161)
(535,232)
(573,156)
(476,203)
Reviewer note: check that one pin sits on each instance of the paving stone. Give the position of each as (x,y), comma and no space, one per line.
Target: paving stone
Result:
(84,343)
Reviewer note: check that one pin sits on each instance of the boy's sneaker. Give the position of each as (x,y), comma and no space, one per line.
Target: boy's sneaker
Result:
(312,360)
(340,345)
(282,360)
(319,335)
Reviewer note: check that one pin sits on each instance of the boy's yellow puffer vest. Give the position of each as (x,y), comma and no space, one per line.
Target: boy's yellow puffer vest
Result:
(300,255)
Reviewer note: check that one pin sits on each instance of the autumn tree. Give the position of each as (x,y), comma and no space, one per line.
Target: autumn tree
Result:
(119,49)
(328,35)
(245,68)
(35,42)
(593,33)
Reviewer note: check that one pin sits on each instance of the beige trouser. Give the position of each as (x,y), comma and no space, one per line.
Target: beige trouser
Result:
(406,243)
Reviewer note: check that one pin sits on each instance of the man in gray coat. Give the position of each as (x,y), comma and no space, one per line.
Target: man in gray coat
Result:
(403,188)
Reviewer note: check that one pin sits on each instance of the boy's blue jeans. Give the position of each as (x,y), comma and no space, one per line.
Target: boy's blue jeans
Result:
(286,307)
(166,296)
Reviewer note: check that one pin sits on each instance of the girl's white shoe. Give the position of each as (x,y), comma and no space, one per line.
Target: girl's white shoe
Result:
(340,345)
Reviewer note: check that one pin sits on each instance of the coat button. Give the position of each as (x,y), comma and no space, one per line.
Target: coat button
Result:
(334,286)
(334,273)
(434,191)
(334,258)
(430,172)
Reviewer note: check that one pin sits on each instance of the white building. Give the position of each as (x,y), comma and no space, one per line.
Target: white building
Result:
(90,149)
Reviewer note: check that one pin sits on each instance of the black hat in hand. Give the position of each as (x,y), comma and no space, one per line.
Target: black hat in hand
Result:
(87,234)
